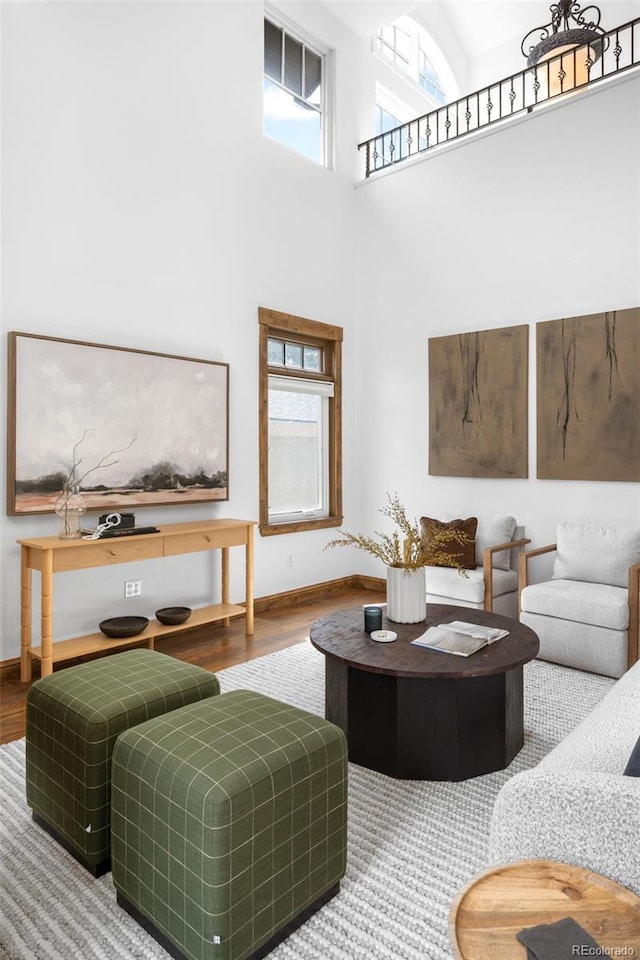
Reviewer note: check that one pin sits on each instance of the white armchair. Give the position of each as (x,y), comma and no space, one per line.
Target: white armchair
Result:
(587,615)
(493,583)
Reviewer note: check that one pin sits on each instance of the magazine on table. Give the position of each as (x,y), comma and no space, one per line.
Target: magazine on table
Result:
(460,638)
(476,630)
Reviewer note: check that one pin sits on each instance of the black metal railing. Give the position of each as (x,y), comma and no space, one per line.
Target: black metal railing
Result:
(619,50)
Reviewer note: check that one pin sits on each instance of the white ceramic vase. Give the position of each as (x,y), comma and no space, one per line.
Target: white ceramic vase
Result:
(406,595)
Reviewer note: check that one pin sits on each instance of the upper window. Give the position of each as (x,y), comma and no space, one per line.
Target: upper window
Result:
(300,423)
(294,92)
(396,141)
(391,117)
(410,49)
(395,44)
(429,79)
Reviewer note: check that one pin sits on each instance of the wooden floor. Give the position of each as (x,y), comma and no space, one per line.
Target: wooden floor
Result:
(213,647)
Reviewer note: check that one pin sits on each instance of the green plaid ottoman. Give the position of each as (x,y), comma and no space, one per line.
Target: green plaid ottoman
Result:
(73,719)
(229,821)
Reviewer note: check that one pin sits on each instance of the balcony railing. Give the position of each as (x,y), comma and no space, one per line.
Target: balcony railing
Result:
(548,80)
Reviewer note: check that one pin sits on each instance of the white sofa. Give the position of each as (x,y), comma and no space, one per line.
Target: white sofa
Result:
(576,806)
(493,585)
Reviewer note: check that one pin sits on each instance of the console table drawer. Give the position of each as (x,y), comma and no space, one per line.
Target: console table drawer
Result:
(102,553)
(203,540)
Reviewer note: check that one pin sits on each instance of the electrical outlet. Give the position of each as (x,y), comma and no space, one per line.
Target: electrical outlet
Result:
(289,559)
(132,588)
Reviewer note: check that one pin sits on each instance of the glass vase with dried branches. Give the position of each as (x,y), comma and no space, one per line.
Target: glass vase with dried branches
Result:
(71,505)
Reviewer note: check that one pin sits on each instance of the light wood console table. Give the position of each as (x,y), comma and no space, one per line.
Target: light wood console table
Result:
(51,555)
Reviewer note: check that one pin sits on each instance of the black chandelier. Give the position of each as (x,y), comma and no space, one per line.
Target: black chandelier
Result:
(554,45)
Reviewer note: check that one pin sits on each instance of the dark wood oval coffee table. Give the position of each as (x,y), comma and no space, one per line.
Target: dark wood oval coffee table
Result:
(417,714)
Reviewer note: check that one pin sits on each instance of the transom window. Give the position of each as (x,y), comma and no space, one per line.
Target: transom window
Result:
(300,423)
(294,92)
(295,356)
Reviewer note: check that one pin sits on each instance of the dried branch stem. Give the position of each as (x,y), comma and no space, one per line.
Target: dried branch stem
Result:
(409,552)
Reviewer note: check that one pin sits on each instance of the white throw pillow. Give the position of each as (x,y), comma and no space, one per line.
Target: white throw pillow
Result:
(596,554)
(493,530)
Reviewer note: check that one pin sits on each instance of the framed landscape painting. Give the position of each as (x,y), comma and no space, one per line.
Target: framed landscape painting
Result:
(478,403)
(588,389)
(129,428)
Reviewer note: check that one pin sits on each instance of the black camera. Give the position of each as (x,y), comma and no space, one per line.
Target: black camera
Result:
(127,520)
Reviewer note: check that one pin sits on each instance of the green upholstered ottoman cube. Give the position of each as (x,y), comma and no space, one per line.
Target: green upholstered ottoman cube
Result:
(73,719)
(229,822)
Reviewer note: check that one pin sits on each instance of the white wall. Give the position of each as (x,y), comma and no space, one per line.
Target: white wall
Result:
(143,207)
(535,221)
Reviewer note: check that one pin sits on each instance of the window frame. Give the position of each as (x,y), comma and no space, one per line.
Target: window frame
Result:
(396,109)
(326,112)
(278,325)
(438,92)
(390,50)
(321,391)
(422,43)
(292,366)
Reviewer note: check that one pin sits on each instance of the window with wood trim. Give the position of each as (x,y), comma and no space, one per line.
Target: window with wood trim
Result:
(300,402)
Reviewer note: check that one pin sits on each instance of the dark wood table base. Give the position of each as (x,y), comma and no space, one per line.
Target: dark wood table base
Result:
(416,714)
(427,729)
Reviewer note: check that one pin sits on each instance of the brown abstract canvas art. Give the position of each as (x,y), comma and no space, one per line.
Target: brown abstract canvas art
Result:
(478,403)
(588,389)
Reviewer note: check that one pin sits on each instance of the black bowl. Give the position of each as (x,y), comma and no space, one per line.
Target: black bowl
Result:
(120,627)
(172,616)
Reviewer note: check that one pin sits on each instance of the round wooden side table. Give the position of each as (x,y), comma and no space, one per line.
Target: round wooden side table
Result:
(495,905)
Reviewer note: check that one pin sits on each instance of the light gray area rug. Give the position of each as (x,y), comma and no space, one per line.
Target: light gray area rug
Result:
(412,844)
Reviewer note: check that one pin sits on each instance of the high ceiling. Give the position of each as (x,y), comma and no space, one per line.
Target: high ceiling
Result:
(480,25)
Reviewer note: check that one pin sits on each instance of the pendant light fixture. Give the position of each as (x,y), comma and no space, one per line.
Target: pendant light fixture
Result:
(564,50)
